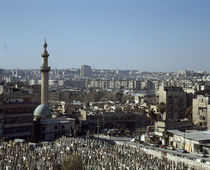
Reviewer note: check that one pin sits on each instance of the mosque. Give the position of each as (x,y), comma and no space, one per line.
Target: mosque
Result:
(46,126)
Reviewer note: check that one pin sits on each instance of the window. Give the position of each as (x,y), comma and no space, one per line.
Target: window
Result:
(55,127)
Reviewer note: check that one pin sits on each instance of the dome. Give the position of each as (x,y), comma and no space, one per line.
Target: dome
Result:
(42,111)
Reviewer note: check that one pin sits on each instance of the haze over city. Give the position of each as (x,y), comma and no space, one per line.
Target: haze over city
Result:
(143,35)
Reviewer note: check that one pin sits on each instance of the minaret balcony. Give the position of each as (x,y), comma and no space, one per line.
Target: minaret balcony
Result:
(44,69)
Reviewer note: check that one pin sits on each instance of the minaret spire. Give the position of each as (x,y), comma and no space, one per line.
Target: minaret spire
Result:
(45,44)
(44,75)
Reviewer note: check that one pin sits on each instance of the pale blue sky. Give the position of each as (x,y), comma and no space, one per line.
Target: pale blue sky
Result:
(147,35)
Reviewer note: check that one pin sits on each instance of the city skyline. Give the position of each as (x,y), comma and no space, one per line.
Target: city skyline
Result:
(135,35)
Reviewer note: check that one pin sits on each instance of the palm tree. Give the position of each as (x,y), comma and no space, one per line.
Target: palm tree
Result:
(189,112)
(152,115)
(161,107)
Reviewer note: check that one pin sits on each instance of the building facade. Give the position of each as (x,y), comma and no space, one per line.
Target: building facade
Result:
(174,99)
(16,113)
(85,71)
(109,120)
(200,110)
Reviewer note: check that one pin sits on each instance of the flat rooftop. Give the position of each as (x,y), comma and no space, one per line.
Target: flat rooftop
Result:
(192,134)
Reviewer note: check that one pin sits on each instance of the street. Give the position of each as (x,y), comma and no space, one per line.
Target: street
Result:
(126,140)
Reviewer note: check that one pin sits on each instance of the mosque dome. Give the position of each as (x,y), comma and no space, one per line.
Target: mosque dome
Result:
(42,111)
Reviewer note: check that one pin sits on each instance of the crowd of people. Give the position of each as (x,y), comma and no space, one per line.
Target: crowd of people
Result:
(95,155)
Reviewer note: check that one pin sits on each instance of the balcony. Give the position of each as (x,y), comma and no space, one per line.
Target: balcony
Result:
(17,105)
(18,115)
(20,134)
(14,125)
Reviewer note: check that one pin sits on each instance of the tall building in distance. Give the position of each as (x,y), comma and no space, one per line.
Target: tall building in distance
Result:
(85,71)
(44,76)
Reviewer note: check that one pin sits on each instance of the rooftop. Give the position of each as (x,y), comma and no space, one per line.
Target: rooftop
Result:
(193,134)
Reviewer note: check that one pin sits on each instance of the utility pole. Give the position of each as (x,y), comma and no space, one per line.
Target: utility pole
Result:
(184,139)
(2,118)
(98,127)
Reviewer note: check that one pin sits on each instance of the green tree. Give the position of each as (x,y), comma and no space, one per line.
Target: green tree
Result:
(2,139)
(73,163)
(110,96)
(119,95)
(161,107)
(152,115)
(127,97)
(118,109)
(189,112)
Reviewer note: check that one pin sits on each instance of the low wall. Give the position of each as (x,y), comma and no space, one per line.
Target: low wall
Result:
(190,163)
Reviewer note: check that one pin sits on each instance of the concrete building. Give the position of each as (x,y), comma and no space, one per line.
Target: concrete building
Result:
(161,127)
(203,87)
(200,110)
(192,140)
(16,112)
(108,120)
(208,117)
(174,99)
(85,71)
(36,93)
(48,128)
(56,83)
(117,84)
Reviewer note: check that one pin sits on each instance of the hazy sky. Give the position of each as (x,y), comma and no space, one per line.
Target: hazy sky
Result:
(147,35)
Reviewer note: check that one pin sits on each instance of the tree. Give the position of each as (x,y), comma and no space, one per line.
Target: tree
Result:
(2,139)
(118,109)
(119,95)
(152,115)
(127,97)
(110,96)
(73,163)
(189,112)
(161,107)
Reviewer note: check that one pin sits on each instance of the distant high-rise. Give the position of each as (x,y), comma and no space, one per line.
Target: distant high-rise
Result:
(1,72)
(85,71)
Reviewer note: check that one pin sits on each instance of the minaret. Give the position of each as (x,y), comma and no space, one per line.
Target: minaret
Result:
(44,75)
